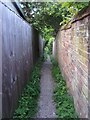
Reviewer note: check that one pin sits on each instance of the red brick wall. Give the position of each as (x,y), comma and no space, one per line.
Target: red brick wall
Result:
(73,54)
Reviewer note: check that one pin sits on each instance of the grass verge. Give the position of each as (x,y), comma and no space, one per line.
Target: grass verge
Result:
(64,102)
(29,98)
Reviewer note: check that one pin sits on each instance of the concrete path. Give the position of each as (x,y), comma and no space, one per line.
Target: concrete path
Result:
(46,103)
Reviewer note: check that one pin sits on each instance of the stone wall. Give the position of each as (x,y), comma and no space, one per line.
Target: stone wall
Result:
(73,55)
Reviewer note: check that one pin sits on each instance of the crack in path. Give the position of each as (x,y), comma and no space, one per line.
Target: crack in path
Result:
(46,103)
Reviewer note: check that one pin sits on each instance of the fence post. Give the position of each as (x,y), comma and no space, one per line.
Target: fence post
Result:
(35,45)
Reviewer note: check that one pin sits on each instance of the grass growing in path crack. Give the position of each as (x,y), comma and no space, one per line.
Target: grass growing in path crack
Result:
(64,102)
(29,99)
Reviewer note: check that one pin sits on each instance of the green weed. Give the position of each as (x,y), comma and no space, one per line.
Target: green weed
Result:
(28,102)
(64,102)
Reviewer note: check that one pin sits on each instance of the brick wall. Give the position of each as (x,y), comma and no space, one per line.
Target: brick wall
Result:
(73,54)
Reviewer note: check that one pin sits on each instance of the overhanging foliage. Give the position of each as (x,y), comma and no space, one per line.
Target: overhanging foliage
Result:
(47,17)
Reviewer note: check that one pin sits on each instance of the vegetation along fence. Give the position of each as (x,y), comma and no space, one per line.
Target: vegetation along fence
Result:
(19,50)
(72,46)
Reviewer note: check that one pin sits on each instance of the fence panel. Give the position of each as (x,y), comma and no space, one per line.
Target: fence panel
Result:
(20,50)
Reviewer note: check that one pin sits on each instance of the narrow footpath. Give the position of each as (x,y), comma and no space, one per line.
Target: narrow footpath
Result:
(46,104)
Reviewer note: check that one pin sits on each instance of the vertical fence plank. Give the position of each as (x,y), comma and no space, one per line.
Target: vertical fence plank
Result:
(6,68)
(0,61)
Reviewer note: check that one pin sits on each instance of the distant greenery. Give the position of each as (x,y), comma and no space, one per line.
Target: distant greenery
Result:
(64,102)
(28,102)
(47,17)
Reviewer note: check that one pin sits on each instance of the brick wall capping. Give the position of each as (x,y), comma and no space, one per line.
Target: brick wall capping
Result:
(81,15)
(66,26)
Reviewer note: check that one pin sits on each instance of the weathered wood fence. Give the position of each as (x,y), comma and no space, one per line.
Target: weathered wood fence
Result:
(19,51)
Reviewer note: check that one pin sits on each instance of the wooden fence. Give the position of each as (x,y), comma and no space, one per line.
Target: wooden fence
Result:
(20,50)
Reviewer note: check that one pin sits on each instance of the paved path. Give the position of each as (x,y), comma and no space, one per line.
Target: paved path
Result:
(46,103)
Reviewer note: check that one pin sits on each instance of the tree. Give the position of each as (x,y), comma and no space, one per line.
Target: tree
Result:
(47,17)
